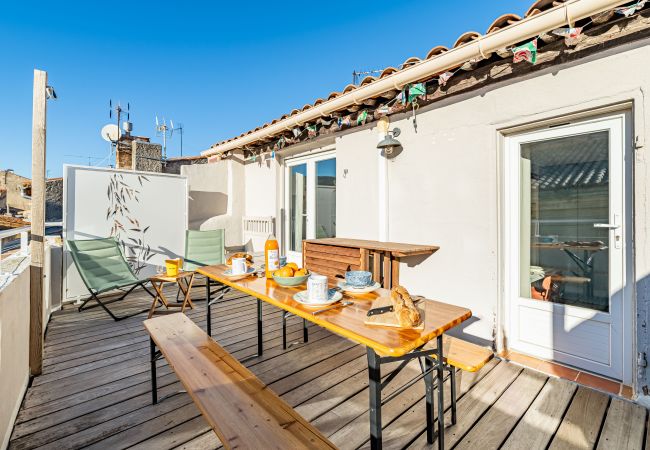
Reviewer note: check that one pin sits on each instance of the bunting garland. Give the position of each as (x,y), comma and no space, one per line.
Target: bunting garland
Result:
(344,121)
(571,35)
(627,11)
(525,52)
(311,130)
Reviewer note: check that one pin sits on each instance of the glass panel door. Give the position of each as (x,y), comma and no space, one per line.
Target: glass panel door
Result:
(564,199)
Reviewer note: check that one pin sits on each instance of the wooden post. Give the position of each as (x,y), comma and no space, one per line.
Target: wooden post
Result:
(38,224)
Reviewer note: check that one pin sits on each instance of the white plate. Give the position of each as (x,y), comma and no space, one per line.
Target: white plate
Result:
(228,272)
(357,290)
(302,298)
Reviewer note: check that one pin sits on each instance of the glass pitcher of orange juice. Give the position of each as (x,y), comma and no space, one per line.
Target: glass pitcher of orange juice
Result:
(271,256)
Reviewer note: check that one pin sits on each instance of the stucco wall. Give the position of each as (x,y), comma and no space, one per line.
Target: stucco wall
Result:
(14,351)
(261,181)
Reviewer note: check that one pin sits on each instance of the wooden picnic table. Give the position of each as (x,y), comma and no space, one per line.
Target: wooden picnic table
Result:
(383,344)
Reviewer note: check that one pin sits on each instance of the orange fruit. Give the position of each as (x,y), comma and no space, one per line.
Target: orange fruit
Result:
(300,273)
(293,265)
(284,272)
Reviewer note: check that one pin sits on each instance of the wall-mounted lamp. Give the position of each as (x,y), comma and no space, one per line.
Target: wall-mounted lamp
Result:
(49,93)
(389,143)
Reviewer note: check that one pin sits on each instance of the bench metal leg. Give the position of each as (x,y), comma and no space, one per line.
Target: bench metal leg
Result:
(259,328)
(452,382)
(428,383)
(284,330)
(154,385)
(374,389)
(441,396)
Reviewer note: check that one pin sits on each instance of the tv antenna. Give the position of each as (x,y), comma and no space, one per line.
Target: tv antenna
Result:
(167,131)
(356,76)
(112,132)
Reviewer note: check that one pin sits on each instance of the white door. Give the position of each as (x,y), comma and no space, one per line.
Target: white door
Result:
(310,201)
(565,238)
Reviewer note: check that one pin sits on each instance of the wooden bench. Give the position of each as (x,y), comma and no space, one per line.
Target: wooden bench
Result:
(243,411)
(463,355)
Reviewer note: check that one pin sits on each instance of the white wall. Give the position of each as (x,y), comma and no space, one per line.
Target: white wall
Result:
(216,197)
(260,186)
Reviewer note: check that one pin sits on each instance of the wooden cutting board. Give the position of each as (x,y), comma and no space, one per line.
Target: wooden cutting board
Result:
(389,319)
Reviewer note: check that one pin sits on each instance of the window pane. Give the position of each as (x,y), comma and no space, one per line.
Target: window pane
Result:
(326,198)
(298,206)
(564,192)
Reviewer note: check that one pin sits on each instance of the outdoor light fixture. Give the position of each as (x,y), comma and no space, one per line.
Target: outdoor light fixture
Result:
(49,93)
(389,143)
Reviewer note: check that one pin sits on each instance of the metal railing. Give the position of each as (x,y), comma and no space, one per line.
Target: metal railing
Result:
(20,240)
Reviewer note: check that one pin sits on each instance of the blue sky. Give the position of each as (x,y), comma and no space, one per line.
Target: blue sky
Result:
(220,68)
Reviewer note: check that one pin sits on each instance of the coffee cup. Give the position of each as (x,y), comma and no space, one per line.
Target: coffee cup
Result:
(239,266)
(317,288)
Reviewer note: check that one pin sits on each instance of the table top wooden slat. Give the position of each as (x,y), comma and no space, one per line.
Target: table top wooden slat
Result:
(397,249)
(255,416)
(349,321)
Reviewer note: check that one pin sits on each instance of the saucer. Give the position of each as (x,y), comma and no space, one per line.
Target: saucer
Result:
(359,290)
(302,297)
(228,272)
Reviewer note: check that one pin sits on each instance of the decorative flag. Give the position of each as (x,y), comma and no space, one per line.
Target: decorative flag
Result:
(383,109)
(526,52)
(571,35)
(296,132)
(402,97)
(361,118)
(273,154)
(627,11)
(344,121)
(417,90)
(444,78)
(311,130)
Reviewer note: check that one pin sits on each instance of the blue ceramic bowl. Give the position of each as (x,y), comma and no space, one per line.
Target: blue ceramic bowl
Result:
(358,278)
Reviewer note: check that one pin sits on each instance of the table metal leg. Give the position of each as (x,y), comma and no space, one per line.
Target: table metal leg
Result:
(259,328)
(154,384)
(441,396)
(452,382)
(207,299)
(428,383)
(374,389)
(305,332)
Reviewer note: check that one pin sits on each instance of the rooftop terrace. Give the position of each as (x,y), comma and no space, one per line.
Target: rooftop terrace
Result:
(94,391)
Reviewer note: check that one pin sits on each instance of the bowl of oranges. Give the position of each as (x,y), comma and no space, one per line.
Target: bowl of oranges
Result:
(291,275)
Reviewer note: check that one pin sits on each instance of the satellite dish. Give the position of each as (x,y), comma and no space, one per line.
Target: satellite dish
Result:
(111,132)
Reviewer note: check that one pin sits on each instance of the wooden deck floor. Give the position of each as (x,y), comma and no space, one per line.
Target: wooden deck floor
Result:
(94,392)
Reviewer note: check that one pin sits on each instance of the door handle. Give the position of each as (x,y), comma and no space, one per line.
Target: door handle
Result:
(611,226)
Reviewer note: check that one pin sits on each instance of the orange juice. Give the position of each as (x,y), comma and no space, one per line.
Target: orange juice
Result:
(271,256)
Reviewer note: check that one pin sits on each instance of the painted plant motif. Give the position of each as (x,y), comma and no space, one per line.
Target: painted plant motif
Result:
(126,228)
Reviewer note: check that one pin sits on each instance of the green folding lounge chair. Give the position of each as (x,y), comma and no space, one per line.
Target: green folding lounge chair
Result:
(102,267)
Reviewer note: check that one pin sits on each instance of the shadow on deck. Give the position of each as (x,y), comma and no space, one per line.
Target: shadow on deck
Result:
(95,392)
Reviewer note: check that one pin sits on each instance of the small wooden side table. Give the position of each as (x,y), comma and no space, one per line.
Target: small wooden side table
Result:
(159,280)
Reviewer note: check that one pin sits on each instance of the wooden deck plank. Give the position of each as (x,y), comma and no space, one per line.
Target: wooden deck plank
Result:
(581,424)
(474,404)
(409,425)
(537,427)
(495,425)
(624,426)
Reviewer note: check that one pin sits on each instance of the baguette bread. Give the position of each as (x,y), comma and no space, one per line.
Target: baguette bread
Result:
(405,311)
